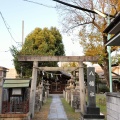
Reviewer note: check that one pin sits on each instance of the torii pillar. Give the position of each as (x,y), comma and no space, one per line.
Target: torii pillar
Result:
(82,87)
(33,89)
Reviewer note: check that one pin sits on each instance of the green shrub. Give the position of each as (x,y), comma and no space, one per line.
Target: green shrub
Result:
(103,89)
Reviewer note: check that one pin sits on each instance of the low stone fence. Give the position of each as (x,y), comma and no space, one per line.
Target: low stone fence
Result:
(113,106)
(73,98)
(75,101)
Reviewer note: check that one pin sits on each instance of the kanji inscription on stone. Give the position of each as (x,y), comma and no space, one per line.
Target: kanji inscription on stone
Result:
(91,86)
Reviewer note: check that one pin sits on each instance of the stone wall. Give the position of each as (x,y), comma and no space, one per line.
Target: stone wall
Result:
(113,106)
(15,116)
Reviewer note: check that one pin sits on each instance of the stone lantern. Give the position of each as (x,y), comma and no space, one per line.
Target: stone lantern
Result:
(47,88)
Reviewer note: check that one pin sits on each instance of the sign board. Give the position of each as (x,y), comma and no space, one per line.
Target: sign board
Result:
(91,86)
(16,91)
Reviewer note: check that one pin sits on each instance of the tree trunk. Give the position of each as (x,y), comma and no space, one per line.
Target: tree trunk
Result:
(106,62)
(106,72)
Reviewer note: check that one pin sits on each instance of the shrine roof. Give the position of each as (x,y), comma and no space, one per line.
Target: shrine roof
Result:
(16,83)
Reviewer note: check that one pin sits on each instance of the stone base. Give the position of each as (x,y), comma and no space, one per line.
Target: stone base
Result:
(93,110)
(77,110)
(91,117)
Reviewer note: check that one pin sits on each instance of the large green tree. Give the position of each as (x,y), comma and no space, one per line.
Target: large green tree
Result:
(90,26)
(39,42)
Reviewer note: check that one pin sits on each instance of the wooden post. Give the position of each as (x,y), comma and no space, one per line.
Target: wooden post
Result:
(33,88)
(1,89)
(82,87)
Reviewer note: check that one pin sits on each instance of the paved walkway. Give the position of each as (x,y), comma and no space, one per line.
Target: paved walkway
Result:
(56,109)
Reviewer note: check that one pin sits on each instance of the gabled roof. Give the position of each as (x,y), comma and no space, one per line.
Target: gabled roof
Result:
(3,68)
(100,72)
(65,75)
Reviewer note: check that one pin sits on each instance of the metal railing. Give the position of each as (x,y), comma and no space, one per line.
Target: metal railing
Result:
(15,107)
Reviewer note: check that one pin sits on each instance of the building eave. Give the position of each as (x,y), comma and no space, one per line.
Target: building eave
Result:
(112,24)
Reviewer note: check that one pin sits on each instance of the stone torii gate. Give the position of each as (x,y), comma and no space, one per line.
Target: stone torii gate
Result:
(36,59)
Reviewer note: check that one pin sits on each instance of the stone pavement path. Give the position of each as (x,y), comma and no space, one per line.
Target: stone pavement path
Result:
(56,109)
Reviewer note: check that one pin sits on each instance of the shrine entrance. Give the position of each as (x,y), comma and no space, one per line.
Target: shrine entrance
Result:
(55,86)
(58,84)
(56,77)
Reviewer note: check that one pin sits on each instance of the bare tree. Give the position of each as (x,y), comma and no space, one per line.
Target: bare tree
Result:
(90,25)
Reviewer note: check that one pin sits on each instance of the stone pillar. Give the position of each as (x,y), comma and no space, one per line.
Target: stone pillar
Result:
(47,88)
(64,93)
(91,111)
(76,97)
(33,88)
(82,87)
(1,89)
(72,98)
(41,91)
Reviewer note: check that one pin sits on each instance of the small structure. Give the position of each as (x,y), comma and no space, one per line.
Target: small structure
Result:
(57,81)
(115,77)
(114,28)
(3,71)
(15,102)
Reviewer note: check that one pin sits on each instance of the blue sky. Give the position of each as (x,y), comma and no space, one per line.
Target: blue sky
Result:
(33,15)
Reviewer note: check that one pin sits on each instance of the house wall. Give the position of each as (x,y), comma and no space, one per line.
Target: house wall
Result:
(116,69)
(113,106)
(11,73)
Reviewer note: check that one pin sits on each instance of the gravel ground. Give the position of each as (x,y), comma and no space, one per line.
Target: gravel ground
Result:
(44,111)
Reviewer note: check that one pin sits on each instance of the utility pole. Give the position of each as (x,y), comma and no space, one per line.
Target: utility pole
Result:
(22,32)
(109,55)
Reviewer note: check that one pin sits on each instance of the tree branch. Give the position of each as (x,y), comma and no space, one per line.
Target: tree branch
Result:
(80,8)
(74,6)
(78,25)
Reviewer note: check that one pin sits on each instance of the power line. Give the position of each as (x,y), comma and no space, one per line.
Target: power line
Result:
(7,27)
(80,8)
(5,51)
(74,6)
(39,4)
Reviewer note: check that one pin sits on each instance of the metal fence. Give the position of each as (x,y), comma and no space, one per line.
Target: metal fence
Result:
(15,107)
